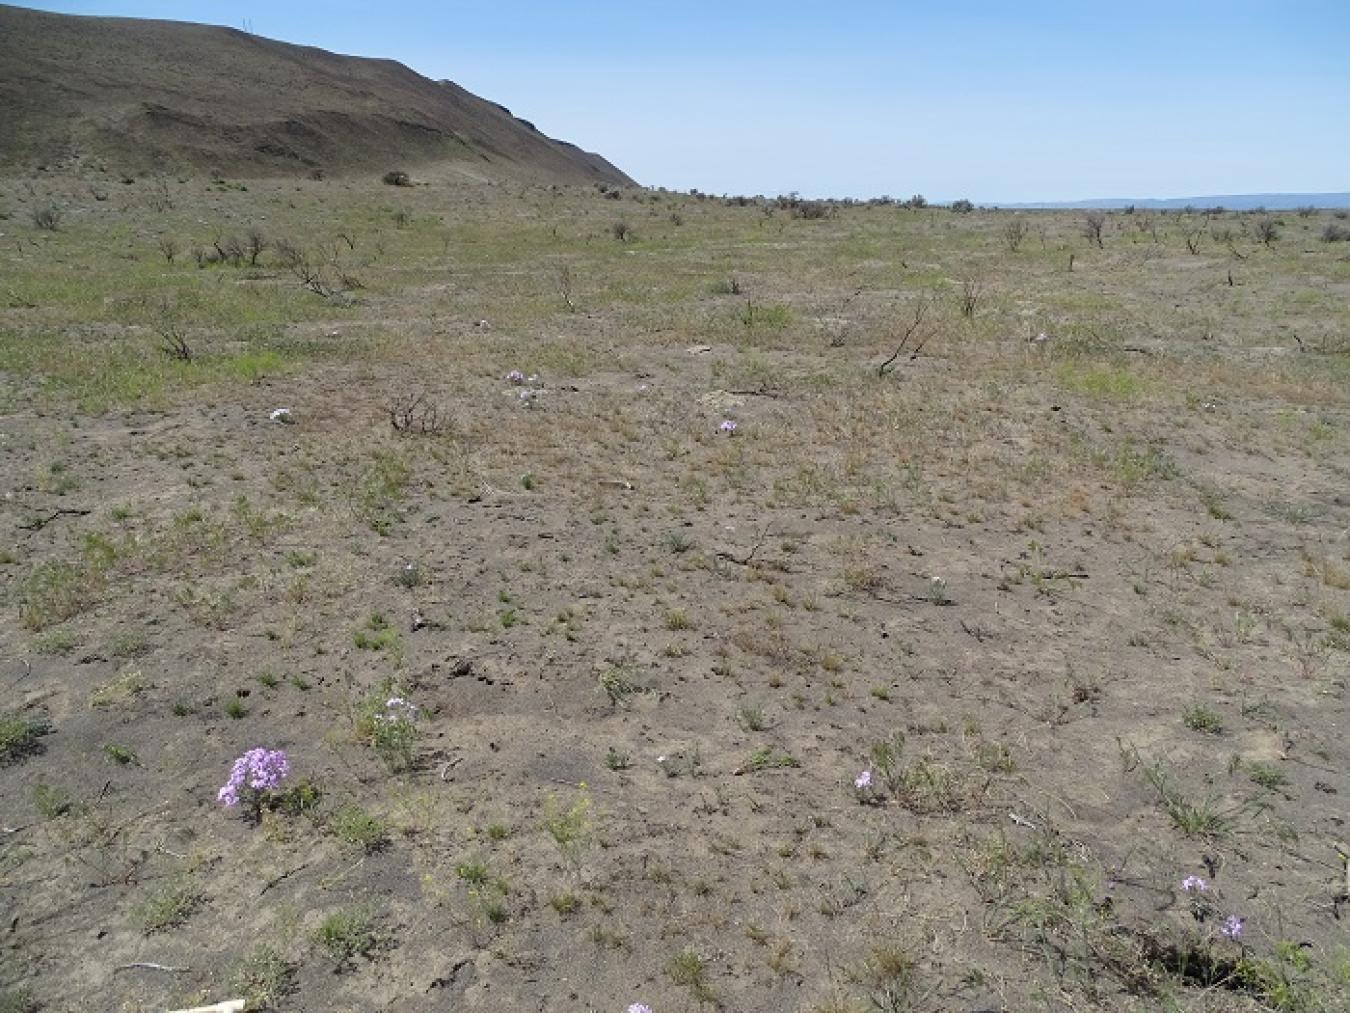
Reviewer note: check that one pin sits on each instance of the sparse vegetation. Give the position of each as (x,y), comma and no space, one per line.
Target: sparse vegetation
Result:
(1012,521)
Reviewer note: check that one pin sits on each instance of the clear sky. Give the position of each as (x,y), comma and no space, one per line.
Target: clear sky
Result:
(1019,100)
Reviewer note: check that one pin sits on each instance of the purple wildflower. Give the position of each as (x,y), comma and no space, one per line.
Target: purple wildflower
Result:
(257,770)
(863,780)
(1232,928)
(727,426)
(1194,884)
(639,1007)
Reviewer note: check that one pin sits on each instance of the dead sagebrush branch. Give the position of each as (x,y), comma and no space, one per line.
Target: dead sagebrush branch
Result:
(915,331)
(413,413)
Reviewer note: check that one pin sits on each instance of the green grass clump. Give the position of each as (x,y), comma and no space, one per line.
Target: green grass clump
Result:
(354,825)
(118,753)
(20,736)
(58,590)
(349,933)
(769,758)
(689,968)
(167,905)
(1200,718)
(263,977)
(1266,775)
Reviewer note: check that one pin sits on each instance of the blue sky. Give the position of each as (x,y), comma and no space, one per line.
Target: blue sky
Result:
(1021,100)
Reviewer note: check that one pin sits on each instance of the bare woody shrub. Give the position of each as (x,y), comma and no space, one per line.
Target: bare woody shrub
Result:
(1015,232)
(1093,223)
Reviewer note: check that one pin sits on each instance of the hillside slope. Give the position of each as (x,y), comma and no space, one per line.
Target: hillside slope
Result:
(139,93)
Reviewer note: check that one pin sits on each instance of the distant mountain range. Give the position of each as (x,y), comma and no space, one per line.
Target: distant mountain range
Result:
(1230,201)
(133,95)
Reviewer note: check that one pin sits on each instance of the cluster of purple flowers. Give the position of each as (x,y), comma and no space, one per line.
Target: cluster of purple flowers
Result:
(727,426)
(865,788)
(1194,887)
(515,376)
(257,770)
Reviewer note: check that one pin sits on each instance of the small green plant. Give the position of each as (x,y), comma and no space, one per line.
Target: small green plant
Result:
(389,723)
(994,757)
(378,634)
(887,760)
(299,559)
(353,825)
(889,975)
(474,872)
(50,802)
(689,968)
(119,690)
(491,906)
(1266,775)
(679,542)
(349,933)
(167,905)
(686,968)
(571,828)
(1200,718)
(263,977)
(1207,819)
(267,679)
(60,640)
(121,754)
(617,684)
(677,764)
(300,799)
(235,708)
(751,717)
(565,904)
(616,760)
(128,644)
(20,736)
(528,481)
(769,759)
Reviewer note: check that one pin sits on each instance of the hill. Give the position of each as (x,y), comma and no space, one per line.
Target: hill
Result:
(136,94)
